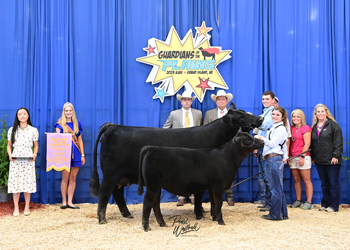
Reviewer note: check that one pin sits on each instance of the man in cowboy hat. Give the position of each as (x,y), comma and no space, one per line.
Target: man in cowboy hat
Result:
(184,118)
(221,99)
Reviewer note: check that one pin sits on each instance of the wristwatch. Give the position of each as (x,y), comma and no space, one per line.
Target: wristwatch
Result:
(302,156)
(82,155)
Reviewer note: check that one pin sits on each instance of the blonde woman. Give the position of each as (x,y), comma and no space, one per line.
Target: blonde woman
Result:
(301,166)
(326,153)
(69,123)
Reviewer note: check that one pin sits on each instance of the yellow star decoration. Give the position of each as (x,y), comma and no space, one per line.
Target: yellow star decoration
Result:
(203,30)
(179,73)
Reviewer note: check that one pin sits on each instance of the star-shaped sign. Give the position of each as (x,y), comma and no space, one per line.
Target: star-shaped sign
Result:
(203,30)
(180,62)
(160,93)
(150,49)
(203,85)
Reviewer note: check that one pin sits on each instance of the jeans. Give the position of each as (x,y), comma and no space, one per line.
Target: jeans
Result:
(329,175)
(263,183)
(274,172)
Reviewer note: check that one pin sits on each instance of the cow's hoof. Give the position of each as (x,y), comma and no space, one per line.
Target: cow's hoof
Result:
(199,217)
(221,222)
(146,229)
(129,216)
(163,224)
(102,222)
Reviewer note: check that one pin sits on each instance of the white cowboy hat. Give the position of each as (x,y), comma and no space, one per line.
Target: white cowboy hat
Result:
(221,92)
(185,94)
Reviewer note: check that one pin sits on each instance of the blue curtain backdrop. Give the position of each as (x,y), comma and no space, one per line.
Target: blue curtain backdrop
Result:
(85,52)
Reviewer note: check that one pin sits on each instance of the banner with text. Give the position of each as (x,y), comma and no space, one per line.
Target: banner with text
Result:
(59,148)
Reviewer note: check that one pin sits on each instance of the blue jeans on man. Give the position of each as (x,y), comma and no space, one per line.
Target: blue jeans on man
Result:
(263,183)
(274,173)
(329,175)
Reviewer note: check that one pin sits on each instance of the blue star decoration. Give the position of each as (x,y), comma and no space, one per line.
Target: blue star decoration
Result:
(160,93)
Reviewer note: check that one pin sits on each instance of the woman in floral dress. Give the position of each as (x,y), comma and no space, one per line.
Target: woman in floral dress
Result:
(21,137)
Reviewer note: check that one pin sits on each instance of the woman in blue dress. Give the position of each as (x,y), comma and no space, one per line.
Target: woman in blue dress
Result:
(69,123)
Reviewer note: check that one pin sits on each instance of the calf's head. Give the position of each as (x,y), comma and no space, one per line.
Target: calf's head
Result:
(247,142)
(240,118)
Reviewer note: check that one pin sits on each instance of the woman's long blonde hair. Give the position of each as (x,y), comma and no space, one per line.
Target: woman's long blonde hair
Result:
(63,119)
(301,115)
(314,117)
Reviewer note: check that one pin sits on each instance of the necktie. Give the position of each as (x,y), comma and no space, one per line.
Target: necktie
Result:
(187,120)
(222,113)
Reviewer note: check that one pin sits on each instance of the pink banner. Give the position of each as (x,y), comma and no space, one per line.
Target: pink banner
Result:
(58,154)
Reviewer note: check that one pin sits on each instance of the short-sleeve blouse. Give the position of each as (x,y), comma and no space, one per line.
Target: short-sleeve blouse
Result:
(297,140)
(23,141)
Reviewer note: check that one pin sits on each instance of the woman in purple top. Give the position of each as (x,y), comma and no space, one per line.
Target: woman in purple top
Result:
(69,123)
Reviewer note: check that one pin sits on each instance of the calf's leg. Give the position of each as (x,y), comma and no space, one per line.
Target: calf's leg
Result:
(157,212)
(198,209)
(148,202)
(218,204)
(212,204)
(118,194)
(103,197)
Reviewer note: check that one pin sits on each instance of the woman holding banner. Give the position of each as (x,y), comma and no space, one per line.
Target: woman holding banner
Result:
(21,137)
(68,123)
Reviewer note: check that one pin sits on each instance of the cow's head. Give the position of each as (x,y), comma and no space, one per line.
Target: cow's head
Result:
(247,141)
(240,118)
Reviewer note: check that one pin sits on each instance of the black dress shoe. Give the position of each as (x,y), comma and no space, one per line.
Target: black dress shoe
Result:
(72,207)
(267,217)
(63,207)
(264,209)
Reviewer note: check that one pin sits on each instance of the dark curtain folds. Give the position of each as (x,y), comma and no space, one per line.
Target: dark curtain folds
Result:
(85,52)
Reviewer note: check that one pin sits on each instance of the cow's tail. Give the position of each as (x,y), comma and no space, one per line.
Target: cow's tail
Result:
(94,185)
(141,183)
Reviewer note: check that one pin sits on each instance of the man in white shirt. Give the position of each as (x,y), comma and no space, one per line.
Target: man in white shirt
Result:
(221,99)
(184,118)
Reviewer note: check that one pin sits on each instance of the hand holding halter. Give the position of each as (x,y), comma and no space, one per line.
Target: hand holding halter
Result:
(291,158)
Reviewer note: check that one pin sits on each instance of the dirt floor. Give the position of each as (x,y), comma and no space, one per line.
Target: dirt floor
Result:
(50,227)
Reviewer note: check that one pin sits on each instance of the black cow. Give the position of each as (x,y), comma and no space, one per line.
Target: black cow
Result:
(121,146)
(184,171)
(210,52)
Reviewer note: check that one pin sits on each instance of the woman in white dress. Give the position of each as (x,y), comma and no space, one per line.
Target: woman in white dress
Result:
(21,137)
